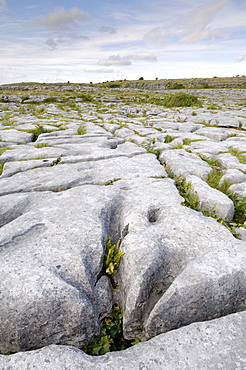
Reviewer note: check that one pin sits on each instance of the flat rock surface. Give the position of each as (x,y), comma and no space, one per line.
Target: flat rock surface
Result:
(107,164)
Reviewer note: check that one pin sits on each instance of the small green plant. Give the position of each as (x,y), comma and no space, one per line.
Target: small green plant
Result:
(194,113)
(214,177)
(187,141)
(225,186)
(240,208)
(81,130)
(38,130)
(41,145)
(1,168)
(148,147)
(112,256)
(111,182)
(111,336)
(55,162)
(169,139)
(190,199)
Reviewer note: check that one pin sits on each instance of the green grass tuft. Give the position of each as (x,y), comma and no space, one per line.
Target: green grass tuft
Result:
(81,130)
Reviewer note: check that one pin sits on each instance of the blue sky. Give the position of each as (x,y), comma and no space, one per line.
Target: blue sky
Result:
(83,41)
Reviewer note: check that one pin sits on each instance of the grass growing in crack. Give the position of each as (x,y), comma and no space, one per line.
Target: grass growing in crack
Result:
(41,145)
(148,147)
(111,336)
(169,139)
(1,168)
(187,141)
(112,257)
(178,146)
(241,156)
(239,201)
(81,130)
(4,148)
(211,161)
(240,208)
(38,130)
(191,200)
(225,186)
(214,177)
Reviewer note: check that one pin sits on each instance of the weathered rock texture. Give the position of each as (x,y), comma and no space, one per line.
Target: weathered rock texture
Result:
(64,195)
(211,345)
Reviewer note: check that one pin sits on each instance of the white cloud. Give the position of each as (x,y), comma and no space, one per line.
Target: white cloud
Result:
(240,58)
(148,57)
(115,60)
(109,30)
(99,70)
(61,20)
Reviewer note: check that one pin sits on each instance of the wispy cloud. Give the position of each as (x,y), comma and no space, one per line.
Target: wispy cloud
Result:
(3,5)
(195,26)
(61,20)
(79,37)
(117,60)
(240,58)
(109,30)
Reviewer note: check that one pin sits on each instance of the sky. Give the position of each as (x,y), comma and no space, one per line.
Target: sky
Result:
(107,40)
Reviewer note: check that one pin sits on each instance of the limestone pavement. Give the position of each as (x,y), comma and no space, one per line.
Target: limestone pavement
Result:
(101,170)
